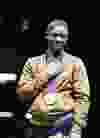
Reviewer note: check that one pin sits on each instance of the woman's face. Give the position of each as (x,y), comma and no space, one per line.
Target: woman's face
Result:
(57,38)
(56,43)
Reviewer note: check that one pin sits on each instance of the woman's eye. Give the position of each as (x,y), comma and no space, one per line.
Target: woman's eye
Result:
(59,35)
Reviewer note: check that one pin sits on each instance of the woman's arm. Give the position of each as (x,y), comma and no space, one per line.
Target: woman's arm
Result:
(26,83)
(82,93)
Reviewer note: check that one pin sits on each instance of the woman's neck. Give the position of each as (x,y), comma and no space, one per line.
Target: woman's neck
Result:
(58,55)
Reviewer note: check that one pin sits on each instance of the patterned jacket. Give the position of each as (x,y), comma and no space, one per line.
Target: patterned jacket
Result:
(71,87)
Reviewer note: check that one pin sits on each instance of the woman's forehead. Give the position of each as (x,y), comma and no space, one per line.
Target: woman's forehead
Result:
(59,29)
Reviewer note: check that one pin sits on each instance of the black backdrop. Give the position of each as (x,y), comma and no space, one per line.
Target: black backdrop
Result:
(7,60)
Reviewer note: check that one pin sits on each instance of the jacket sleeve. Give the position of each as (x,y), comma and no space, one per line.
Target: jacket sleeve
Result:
(26,75)
(82,90)
(27,71)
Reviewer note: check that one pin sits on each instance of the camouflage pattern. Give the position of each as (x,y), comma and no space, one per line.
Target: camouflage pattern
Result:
(80,87)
